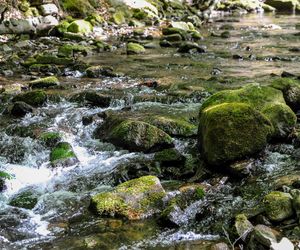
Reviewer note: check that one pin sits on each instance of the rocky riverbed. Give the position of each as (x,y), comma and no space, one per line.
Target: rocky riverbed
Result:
(126,144)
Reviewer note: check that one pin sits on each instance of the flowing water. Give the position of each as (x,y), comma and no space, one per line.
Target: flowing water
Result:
(61,219)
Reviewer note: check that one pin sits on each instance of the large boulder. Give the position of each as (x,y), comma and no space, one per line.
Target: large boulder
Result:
(134,199)
(267,100)
(34,98)
(226,132)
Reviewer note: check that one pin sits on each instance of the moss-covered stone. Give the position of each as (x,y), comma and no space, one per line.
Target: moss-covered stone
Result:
(34,98)
(63,155)
(226,132)
(284,5)
(118,17)
(242,226)
(26,198)
(92,98)
(290,89)
(135,48)
(45,82)
(80,26)
(278,206)
(78,8)
(134,199)
(69,50)
(138,136)
(50,139)
(267,100)
(100,71)
(53,59)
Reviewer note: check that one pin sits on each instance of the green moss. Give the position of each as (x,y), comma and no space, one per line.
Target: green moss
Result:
(45,82)
(278,206)
(68,50)
(226,132)
(94,19)
(63,150)
(135,48)
(50,138)
(169,154)
(282,118)
(5,175)
(78,8)
(34,98)
(25,199)
(118,17)
(62,27)
(132,199)
(139,136)
(199,193)
(80,26)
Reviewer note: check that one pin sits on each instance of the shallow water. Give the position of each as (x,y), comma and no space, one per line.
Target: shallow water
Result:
(61,219)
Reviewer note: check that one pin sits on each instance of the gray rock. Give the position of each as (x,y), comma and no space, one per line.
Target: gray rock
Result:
(48,9)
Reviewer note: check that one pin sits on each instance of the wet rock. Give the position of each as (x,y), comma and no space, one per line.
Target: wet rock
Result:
(136,136)
(25,198)
(80,26)
(44,83)
(62,155)
(225,34)
(134,199)
(296,201)
(62,206)
(20,109)
(237,57)
(290,89)
(172,38)
(283,5)
(135,48)
(241,168)
(169,157)
(52,59)
(186,47)
(287,74)
(278,206)
(50,139)
(99,71)
(92,98)
(243,227)
(287,180)
(226,132)
(34,98)
(262,236)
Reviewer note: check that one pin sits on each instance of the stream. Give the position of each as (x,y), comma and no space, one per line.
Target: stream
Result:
(61,218)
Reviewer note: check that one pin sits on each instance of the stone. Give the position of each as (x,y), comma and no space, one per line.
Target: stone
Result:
(92,98)
(135,199)
(226,131)
(25,198)
(62,155)
(20,109)
(262,235)
(48,9)
(278,206)
(242,226)
(220,246)
(283,5)
(135,48)
(50,139)
(80,26)
(138,136)
(296,202)
(186,47)
(44,83)
(100,71)
(118,18)
(34,98)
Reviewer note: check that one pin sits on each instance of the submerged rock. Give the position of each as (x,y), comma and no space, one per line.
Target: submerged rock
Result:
(25,198)
(62,155)
(134,199)
(226,132)
(278,206)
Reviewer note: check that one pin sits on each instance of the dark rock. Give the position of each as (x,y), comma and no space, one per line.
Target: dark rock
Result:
(185,47)
(92,98)
(20,109)
(34,98)
(287,74)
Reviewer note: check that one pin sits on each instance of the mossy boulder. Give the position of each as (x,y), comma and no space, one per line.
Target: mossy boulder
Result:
(69,50)
(34,98)
(267,100)
(226,132)
(137,136)
(135,48)
(290,89)
(62,155)
(278,206)
(242,226)
(284,5)
(45,82)
(80,26)
(134,199)
(118,18)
